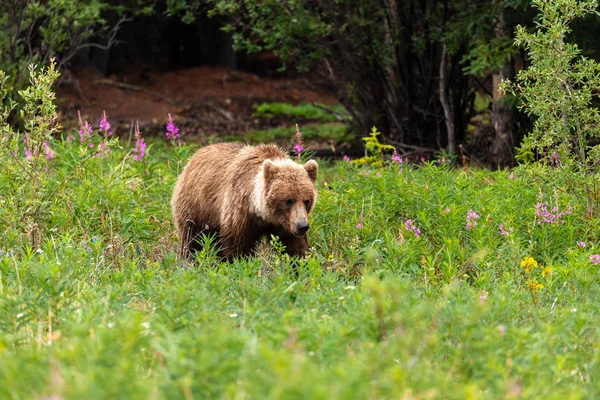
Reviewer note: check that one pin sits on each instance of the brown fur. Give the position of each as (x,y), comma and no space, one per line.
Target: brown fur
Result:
(239,193)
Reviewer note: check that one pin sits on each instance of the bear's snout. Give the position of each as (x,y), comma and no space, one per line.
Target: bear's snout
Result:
(302,227)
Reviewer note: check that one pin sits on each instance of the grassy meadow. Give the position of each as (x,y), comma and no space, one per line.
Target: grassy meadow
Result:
(424,282)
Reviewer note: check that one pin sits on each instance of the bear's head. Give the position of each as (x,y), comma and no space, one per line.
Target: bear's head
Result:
(289,193)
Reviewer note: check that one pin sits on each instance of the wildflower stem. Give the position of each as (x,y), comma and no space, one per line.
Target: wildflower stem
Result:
(19,162)
(49,196)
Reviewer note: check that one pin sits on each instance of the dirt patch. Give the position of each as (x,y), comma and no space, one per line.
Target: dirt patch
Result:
(204,100)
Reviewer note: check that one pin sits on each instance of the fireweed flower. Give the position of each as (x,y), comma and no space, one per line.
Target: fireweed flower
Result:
(379,175)
(359,225)
(581,244)
(445,211)
(140,145)
(595,259)
(346,159)
(504,232)
(105,125)
(298,149)
(472,218)
(550,217)
(85,130)
(48,151)
(410,226)
(172,130)
(397,159)
(554,160)
(28,153)
(102,150)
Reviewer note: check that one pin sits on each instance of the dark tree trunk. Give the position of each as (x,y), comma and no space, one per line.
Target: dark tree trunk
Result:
(501,116)
(448,115)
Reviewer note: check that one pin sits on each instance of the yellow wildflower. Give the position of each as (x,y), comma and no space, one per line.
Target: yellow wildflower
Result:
(529,264)
(547,271)
(534,285)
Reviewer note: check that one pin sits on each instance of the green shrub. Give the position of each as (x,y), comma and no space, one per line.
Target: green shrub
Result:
(559,88)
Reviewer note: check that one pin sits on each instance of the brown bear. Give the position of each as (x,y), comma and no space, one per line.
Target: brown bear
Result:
(241,193)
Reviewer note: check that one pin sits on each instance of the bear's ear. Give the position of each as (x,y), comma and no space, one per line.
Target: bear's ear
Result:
(312,168)
(269,171)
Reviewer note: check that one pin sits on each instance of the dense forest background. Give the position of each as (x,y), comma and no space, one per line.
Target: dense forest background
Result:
(425,73)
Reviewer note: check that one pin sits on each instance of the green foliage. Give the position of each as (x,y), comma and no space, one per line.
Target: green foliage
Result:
(29,187)
(35,31)
(474,28)
(375,149)
(276,26)
(330,131)
(450,311)
(489,55)
(397,298)
(559,89)
(319,112)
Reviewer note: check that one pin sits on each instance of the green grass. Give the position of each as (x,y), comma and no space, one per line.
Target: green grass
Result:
(317,112)
(101,308)
(328,131)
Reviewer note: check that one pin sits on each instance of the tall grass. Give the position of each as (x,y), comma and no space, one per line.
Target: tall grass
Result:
(423,282)
(102,309)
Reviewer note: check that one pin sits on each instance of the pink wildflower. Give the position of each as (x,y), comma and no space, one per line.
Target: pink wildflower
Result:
(85,130)
(595,259)
(298,149)
(554,160)
(172,129)
(547,217)
(445,211)
(581,244)
(397,159)
(105,125)
(359,225)
(346,159)
(48,151)
(504,232)
(28,153)
(102,150)
(140,145)
(410,226)
(472,218)
(379,175)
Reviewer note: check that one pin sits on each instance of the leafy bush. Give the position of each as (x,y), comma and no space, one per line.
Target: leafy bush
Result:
(35,31)
(559,89)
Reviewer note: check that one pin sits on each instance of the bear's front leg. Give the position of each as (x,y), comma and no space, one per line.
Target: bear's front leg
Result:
(237,241)
(294,245)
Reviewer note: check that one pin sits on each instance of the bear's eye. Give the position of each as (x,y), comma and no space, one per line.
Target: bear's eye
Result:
(289,202)
(307,203)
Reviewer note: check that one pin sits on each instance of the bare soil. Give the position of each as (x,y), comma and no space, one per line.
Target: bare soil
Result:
(204,101)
